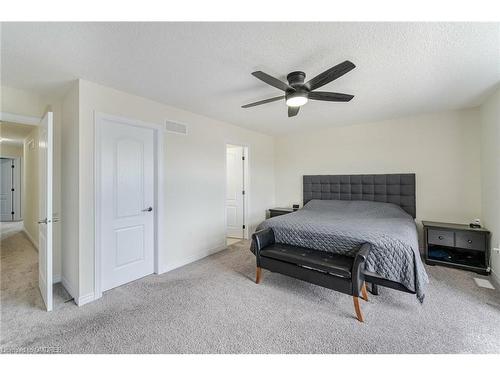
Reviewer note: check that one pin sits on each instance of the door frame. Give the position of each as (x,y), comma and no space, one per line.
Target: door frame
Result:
(246,187)
(159,184)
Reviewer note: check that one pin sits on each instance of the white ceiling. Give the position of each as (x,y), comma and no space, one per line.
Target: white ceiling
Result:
(402,68)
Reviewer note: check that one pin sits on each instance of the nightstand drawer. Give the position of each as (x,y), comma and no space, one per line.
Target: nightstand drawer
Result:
(440,237)
(470,240)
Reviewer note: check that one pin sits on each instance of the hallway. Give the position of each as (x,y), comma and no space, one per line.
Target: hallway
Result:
(19,294)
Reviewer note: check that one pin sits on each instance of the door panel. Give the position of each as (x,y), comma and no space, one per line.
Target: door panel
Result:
(234,192)
(127,191)
(45,146)
(129,177)
(129,245)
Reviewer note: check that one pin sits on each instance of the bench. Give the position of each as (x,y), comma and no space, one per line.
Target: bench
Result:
(342,273)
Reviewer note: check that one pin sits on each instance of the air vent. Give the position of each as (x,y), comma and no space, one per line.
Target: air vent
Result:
(175,127)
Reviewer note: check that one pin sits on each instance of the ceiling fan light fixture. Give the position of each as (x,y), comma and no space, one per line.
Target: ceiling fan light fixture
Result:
(297,92)
(296,100)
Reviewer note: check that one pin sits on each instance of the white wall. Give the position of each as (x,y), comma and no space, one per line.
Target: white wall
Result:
(490,174)
(31,104)
(442,149)
(70,188)
(194,174)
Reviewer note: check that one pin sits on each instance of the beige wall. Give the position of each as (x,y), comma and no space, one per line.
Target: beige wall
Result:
(11,150)
(70,189)
(445,150)
(30,183)
(490,174)
(30,104)
(194,175)
(442,149)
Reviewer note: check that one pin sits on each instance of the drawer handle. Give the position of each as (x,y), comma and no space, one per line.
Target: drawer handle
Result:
(469,241)
(440,237)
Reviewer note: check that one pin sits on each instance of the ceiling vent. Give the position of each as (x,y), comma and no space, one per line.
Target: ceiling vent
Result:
(175,127)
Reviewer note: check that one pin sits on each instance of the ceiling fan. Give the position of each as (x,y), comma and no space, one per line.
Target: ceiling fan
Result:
(297,92)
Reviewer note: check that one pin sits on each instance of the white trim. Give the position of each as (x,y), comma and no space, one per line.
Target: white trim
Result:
(246,187)
(246,198)
(83,300)
(20,119)
(495,279)
(35,245)
(159,221)
(56,279)
(18,186)
(128,121)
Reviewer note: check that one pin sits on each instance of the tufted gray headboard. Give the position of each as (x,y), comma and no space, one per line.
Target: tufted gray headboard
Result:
(391,188)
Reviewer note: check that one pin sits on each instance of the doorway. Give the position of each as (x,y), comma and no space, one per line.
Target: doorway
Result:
(26,149)
(236,193)
(127,184)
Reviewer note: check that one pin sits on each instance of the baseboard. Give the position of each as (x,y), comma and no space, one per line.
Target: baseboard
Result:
(56,279)
(495,278)
(174,265)
(85,299)
(30,238)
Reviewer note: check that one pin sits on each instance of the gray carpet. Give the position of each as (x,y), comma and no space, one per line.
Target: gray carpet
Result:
(213,306)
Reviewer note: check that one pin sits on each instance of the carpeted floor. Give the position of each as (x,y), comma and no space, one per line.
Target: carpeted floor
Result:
(213,306)
(8,228)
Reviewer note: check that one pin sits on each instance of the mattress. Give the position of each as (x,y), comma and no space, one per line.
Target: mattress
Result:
(343,226)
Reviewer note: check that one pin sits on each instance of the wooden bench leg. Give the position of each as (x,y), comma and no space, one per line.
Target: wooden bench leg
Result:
(358,309)
(364,293)
(258,275)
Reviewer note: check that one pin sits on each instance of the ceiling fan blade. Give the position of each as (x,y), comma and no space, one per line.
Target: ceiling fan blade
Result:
(275,82)
(292,111)
(330,96)
(330,75)
(263,101)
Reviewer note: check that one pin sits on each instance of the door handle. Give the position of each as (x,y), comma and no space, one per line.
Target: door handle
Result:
(44,221)
(149,209)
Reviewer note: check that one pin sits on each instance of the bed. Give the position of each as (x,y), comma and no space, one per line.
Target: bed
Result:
(341,213)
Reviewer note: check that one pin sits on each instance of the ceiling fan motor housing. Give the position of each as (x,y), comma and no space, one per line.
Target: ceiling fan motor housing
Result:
(296,79)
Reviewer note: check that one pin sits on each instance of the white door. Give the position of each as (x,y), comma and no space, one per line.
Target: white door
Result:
(127,203)
(16,190)
(6,183)
(45,209)
(234,191)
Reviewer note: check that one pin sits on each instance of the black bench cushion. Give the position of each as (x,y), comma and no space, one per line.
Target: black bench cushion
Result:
(336,264)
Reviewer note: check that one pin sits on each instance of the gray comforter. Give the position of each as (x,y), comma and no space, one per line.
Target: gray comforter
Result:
(342,226)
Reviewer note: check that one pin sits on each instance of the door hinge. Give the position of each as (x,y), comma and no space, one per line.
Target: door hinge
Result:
(12,189)
(243,192)
(242,158)
(243,226)
(12,166)
(12,213)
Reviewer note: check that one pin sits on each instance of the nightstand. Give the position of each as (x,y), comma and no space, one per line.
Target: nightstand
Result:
(279,211)
(457,246)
